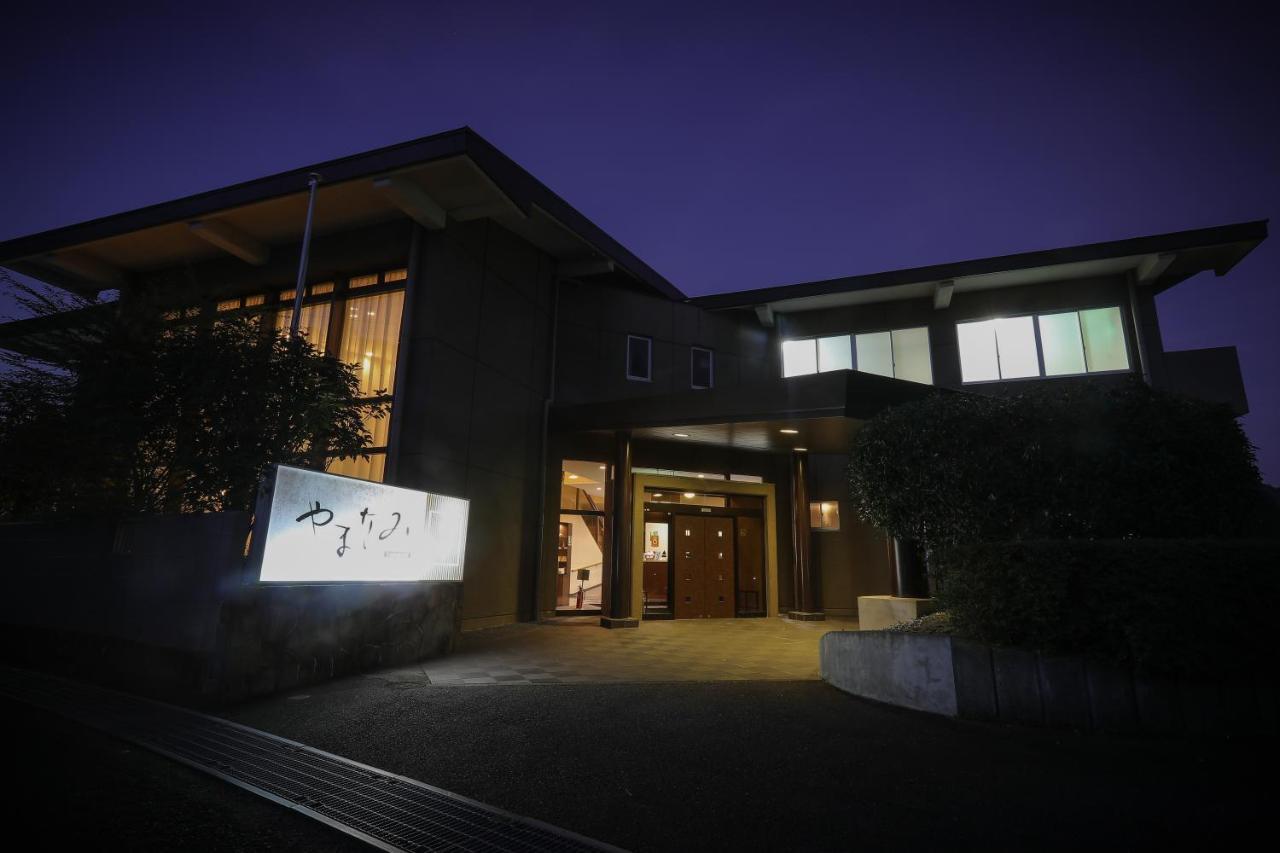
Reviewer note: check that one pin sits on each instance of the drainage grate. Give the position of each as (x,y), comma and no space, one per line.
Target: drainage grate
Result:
(389,811)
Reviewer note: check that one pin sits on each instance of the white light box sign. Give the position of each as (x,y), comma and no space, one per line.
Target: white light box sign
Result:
(312,527)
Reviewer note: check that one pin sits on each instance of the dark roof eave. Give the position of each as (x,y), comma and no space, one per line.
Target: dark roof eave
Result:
(1246,235)
(519,183)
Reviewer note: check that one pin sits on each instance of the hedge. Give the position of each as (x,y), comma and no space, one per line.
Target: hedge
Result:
(1057,460)
(1192,607)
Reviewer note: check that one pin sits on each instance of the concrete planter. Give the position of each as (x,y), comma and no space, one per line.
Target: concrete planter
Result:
(960,678)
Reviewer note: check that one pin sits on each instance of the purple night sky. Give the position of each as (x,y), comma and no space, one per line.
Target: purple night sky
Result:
(731,146)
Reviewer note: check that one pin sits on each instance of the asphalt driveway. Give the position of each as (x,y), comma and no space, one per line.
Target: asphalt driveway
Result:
(780,765)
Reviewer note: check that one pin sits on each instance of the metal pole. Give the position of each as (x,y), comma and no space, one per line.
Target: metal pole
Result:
(312,180)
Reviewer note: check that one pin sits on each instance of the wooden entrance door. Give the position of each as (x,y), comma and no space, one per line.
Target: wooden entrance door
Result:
(704,560)
(689,547)
(750,565)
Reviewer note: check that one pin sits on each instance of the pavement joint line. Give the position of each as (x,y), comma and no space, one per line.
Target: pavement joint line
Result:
(333,790)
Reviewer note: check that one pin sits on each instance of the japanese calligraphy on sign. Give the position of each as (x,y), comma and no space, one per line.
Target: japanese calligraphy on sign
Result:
(330,529)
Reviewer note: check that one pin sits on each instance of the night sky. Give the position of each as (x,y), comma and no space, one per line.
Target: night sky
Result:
(731,146)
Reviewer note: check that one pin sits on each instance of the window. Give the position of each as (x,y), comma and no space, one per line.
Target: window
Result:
(639,358)
(1064,343)
(874,353)
(374,468)
(228,304)
(834,354)
(370,339)
(1061,343)
(1103,333)
(313,323)
(824,515)
(367,334)
(701,367)
(799,358)
(582,557)
(901,354)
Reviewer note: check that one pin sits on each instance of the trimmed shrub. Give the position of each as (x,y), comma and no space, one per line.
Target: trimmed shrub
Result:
(1192,607)
(1057,460)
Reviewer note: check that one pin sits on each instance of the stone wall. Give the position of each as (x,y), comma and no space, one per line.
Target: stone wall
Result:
(955,677)
(163,605)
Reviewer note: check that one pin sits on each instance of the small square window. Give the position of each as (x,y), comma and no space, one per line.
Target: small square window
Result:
(639,358)
(824,515)
(701,367)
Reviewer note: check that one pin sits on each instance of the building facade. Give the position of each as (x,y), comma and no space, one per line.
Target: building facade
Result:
(627,451)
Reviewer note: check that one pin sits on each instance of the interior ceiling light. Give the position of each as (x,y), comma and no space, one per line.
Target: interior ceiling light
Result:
(680,434)
(573,476)
(689,495)
(802,449)
(789,431)
(657,494)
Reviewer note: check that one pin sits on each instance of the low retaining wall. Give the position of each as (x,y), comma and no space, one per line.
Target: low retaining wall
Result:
(162,606)
(960,678)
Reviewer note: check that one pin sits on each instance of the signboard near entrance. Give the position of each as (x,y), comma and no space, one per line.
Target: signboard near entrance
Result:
(312,527)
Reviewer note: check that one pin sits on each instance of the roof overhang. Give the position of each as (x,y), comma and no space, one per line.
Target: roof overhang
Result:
(1158,262)
(824,409)
(454,175)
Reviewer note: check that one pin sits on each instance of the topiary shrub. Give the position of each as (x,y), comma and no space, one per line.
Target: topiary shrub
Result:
(1191,607)
(1057,460)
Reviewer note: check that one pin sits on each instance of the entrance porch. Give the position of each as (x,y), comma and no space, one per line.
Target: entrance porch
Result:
(578,651)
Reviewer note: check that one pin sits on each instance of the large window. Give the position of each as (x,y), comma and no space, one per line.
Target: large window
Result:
(313,322)
(581,550)
(1064,343)
(900,353)
(356,320)
(370,340)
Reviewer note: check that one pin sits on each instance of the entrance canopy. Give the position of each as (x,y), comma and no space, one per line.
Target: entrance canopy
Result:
(818,413)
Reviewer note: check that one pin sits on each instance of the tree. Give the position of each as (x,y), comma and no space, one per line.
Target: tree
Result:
(130,413)
(1058,460)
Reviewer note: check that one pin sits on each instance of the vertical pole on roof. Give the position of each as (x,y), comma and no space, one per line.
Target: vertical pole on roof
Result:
(312,181)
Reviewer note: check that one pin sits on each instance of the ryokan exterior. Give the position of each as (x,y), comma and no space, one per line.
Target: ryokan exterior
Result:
(592,414)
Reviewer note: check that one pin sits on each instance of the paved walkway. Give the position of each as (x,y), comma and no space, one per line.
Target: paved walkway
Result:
(579,651)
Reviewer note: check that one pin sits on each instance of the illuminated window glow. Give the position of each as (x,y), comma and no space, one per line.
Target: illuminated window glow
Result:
(799,358)
(1064,343)
(370,340)
(824,515)
(313,323)
(900,353)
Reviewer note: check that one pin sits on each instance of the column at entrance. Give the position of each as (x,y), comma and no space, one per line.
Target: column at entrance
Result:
(617,605)
(807,607)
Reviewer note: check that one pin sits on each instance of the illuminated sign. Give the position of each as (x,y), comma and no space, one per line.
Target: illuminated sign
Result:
(312,527)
